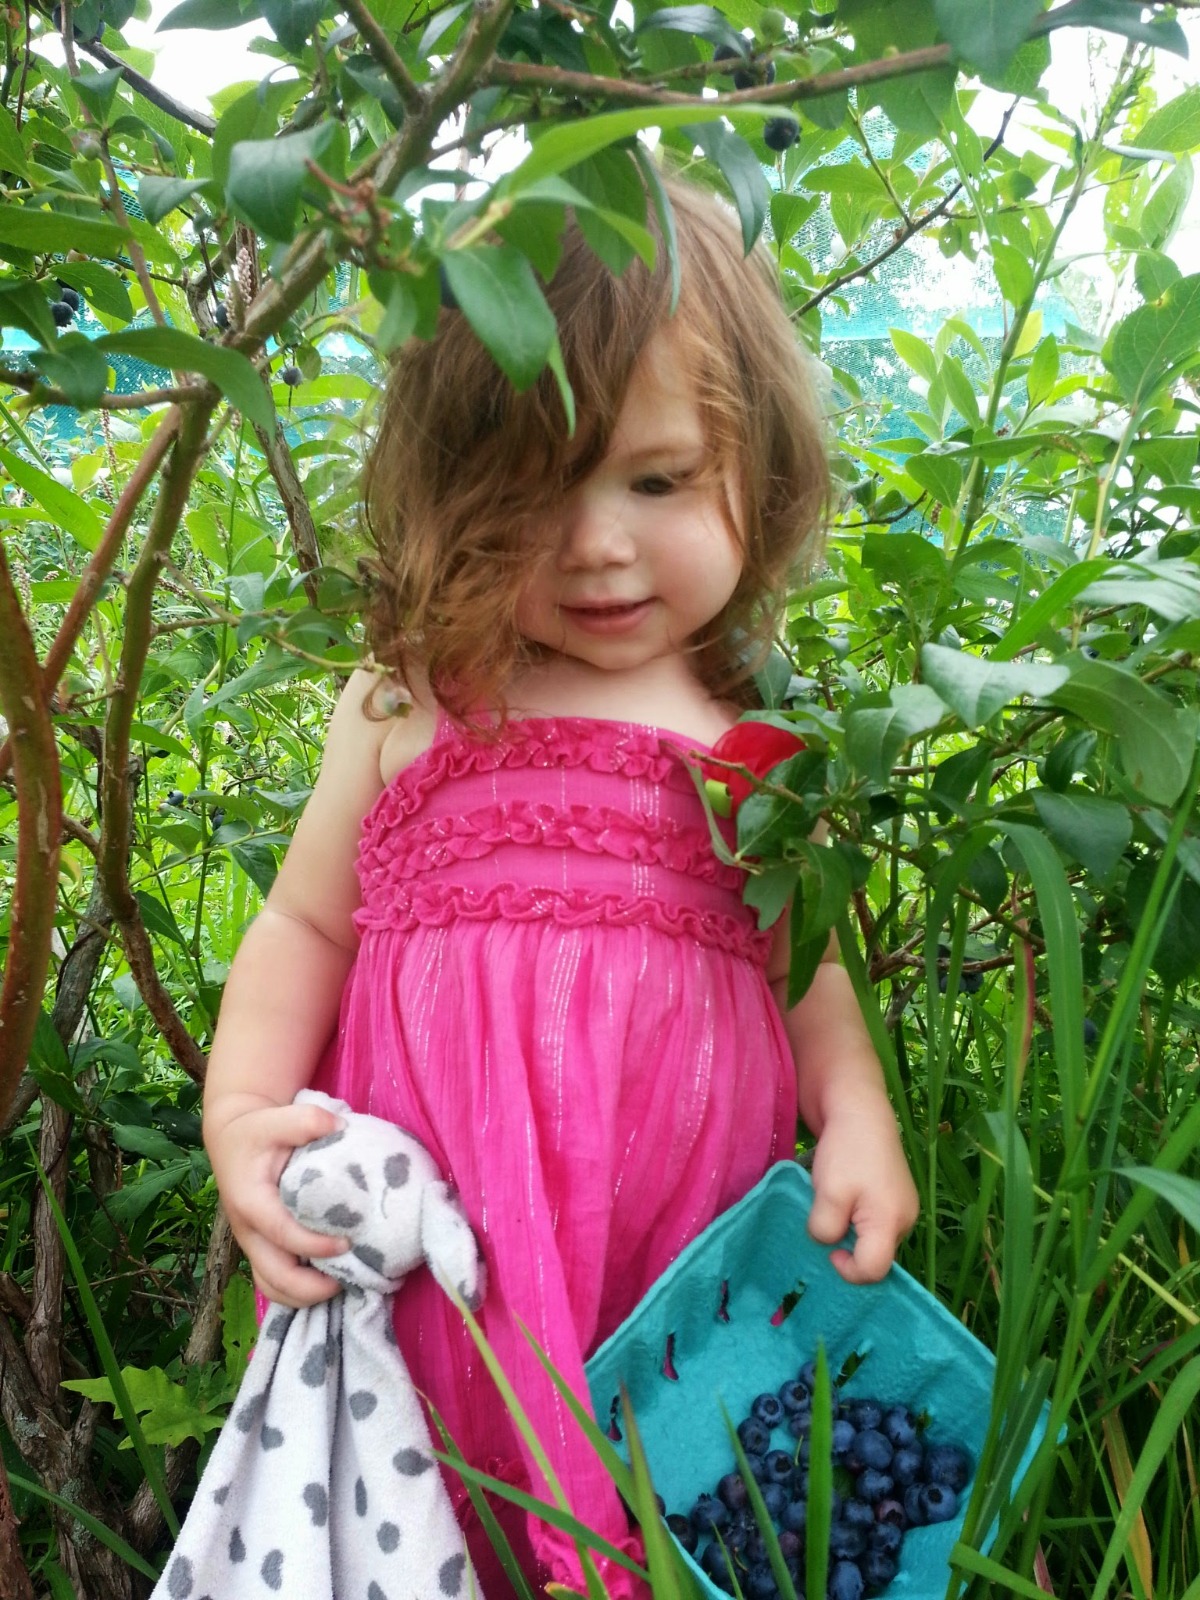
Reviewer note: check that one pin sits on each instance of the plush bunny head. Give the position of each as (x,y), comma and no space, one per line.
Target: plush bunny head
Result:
(387,1199)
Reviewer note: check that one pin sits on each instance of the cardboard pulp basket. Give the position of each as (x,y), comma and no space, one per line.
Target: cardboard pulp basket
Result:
(739,1312)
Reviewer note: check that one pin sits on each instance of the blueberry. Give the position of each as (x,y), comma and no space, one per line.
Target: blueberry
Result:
(737,1535)
(176,797)
(62,313)
(914,1505)
(683,1531)
(717,1564)
(799,1423)
(886,1536)
(69,296)
(845,1581)
(890,1514)
(748,77)
(878,1570)
(708,1513)
(759,1583)
(1090,1031)
(948,1464)
(217,817)
(757,1465)
(291,376)
(733,1491)
(795,1396)
(775,1498)
(865,1414)
(768,1409)
(780,133)
(808,1375)
(906,1464)
(843,1438)
(221,315)
(755,1438)
(871,1449)
(790,1545)
(873,1485)
(899,1427)
(779,1466)
(726,52)
(795,1516)
(859,1514)
(846,1542)
(938,1502)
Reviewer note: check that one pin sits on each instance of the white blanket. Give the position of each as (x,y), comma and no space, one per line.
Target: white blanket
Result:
(322,1485)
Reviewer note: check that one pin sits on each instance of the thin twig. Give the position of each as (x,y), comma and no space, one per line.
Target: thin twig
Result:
(140,400)
(381,47)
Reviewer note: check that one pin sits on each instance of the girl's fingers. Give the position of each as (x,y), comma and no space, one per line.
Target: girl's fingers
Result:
(282,1279)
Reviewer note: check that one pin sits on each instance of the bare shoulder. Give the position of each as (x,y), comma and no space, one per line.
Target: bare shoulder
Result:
(410,730)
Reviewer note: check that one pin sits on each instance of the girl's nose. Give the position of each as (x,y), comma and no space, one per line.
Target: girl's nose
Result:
(595,533)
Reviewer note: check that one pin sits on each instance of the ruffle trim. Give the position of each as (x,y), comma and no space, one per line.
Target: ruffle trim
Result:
(434,904)
(632,750)
(597,830)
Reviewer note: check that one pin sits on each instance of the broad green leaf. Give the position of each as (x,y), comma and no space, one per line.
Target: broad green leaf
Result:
(1175,126)
(1086,827)
(30,228)
(61,505)
(879,726)
(1170,589)
(158,196)
(267,177)
(151,1143)
(292,21)
(742,171)
(1166,208)
(919,102)
(1014,272)
(1180,1192)
(12,151)
(1154,273)
(976,689)
(1043,370)
(211,14)
(499,296)
(1155,738)
(1156,342)
(905,560)
(939,475)
(97,90)
(103,287)
(961,391)
(184,352)
(706,21)
(1119,16)
(915,353)
(987,33)
(77,367)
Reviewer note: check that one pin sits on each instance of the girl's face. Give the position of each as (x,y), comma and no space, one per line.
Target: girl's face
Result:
(640,556)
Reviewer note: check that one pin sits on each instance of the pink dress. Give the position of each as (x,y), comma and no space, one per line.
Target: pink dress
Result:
(560,992)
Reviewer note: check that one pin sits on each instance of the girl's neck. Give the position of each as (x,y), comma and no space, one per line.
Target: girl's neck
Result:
(662,693)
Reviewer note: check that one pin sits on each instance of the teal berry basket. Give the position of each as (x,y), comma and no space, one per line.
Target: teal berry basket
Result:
(739,1312)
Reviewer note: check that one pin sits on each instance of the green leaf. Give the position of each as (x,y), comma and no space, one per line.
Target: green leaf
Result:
(1155,738)
(102,286)
(30,228)
(1165,209)
(987,33)
(12,150)
(939,475)
(915,353)
(706,21)
(211,14)
(232,373)
(879,726)
(976,689)
(77,367)
(159,918)
(499,296)
(151,1143)
(1175,126)
(742,171)
(1119,16)
(961,390)
(97,89)
(1086,827)
(257,861)
(292,21)
(1180,1192)
(917,103)
(267,176)
(1157,342)
(1014,272)
(61,505)
(158,196)
(820,1478)
(1043,370)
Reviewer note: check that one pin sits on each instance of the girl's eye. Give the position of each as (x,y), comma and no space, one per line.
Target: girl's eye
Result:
(655,486)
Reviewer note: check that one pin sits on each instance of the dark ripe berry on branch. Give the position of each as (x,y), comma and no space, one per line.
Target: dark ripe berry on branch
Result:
(62,313)
(726,52)
(780,133)
(750,77)
(291,376)
(221,315)
(69,296)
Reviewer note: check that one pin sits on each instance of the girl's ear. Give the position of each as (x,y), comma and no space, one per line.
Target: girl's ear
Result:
(448,1245)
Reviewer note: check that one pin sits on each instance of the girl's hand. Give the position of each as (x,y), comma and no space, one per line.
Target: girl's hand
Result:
(861,1179)
(248,1150)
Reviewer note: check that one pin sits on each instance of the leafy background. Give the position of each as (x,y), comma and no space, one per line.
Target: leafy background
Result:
(995,675)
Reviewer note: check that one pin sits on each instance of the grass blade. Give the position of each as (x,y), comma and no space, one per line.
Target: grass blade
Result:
(614,1464)
(99,1530)
(984,1567)
(820,1480)
(661,1556)
(761,1515)
(495,1533)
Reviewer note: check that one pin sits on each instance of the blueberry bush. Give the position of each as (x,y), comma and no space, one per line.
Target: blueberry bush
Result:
(994,676)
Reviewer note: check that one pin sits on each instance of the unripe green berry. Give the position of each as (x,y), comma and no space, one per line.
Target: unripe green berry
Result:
(772,25)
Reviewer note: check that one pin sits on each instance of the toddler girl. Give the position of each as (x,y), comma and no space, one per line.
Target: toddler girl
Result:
(501,923)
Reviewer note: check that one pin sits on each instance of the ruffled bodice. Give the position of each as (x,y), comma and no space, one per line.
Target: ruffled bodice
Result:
(569,819)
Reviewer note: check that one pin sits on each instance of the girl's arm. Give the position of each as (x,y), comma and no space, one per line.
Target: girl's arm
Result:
(280,1007)
(860,1175)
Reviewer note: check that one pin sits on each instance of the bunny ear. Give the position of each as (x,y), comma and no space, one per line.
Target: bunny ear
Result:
(314,1097)
(449,1245)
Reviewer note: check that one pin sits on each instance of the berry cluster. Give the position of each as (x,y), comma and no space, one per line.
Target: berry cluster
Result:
(887,1478)
(64,308)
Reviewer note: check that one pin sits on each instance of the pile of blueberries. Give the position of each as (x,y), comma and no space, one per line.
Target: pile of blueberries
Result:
(887,1478)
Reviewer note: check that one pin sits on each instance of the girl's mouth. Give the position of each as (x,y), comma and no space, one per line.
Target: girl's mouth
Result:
(607,618)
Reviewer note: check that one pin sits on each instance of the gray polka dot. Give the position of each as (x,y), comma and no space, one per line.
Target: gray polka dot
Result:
(271,1437)
(360,1497)
(237,1546)
(325,1141)
(317,1501)
(272,1569)
(289,1197)
(341,1216)
(315,1366)
(357,1176)
(369,1256)
(389,1330)
(388,1535)
(309,1175)
(179,1583)
(362,1403)
(251,1411)
(396,1170)
(222,1494)
(450,1574)
(374,1592)
(472,1297)
(411,1463)
(278,1326)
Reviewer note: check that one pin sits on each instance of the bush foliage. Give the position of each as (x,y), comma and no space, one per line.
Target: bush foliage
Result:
(995,676)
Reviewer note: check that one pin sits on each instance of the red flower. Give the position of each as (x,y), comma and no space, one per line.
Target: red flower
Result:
(758,746)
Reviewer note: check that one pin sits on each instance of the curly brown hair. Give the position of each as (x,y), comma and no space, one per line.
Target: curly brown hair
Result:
(463,469)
